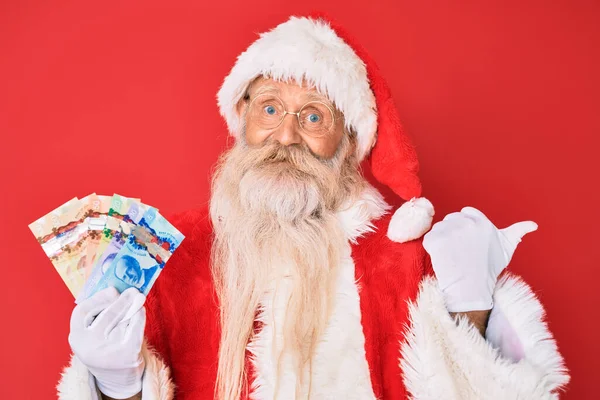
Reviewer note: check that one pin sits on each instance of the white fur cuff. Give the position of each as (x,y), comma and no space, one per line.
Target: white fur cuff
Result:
(77,383)
(443,359)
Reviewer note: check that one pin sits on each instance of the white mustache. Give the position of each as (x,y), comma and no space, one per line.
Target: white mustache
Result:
(287,193)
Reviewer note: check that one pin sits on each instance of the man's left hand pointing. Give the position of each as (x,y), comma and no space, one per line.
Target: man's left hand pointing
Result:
(468,253)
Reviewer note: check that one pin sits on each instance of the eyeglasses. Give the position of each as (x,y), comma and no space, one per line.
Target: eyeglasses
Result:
(315,118)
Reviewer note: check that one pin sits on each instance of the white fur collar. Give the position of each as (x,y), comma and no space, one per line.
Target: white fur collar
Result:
(357,217)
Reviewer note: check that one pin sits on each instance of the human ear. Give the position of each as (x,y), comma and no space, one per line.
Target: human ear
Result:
(242,105)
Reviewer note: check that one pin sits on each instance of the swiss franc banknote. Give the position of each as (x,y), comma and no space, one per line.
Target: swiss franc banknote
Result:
(101,241)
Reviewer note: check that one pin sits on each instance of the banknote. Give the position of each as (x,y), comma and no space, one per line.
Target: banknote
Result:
(100,241)
(163,233)
(116,212)
(134,265)
(96,224)
(47,228)
(119,233)
(58,232)
(49,231)
(76,245)
(120,205)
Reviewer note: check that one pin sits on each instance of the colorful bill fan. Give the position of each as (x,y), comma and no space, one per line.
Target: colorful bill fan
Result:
(101,241)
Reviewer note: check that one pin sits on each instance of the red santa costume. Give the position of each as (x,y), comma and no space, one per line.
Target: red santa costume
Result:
(389,335)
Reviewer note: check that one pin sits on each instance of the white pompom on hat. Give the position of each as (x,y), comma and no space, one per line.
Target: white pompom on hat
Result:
(316,50)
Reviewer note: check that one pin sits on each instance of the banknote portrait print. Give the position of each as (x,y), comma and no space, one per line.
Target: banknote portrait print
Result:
(129,271)
(107,262)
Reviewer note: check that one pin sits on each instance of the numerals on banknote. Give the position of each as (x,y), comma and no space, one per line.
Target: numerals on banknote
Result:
(101,241)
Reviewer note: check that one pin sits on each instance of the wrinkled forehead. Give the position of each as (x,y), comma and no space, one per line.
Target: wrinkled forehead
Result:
(292,92)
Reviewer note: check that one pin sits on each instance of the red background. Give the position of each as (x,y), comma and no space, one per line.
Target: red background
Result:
(502,101)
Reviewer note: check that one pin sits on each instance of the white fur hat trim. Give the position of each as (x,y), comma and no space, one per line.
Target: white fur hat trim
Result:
(310,50)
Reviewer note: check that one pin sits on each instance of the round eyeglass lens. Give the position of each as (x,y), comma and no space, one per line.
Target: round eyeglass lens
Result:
(316,118)
(266,111)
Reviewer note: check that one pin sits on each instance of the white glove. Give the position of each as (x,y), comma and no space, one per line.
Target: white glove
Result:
(107,331)
(468,253)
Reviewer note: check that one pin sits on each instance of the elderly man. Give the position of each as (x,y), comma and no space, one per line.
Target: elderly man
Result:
(298,282)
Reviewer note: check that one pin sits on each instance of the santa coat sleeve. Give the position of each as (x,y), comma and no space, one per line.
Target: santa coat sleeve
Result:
(449,359)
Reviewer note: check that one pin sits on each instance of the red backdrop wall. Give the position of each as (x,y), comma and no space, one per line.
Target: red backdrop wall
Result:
(502,100)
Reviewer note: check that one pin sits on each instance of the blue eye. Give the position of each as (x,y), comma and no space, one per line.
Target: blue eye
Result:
(314,118)
(270,110)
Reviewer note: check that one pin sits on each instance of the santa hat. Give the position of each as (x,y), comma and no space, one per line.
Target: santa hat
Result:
(318,51)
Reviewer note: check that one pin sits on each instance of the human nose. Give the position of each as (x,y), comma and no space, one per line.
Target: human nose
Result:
(288,132)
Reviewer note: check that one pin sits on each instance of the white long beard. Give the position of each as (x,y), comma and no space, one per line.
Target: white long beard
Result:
(275,206)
